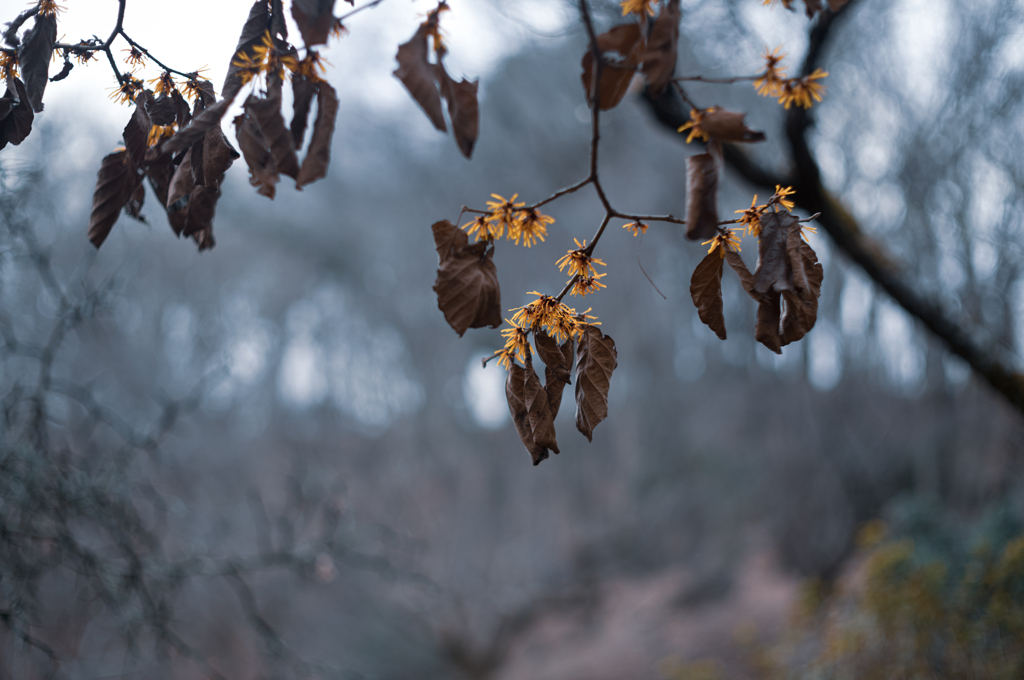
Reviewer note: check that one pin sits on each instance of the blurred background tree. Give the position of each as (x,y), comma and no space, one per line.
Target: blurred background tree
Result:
(273,461)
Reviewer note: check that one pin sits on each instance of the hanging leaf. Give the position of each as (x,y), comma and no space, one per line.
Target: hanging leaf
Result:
(133,208)
(706,291)
(278,25)
(552,356)
(746,278)
(315,19)
(16,124)
(34,55)
(622,49)
(115,184)
(303,90)
(197,128)
(662,46)
(255,26)
(256,152)
(728,126)
(769,313)
(702,193)
(467,280)
(162,110)
(807,274)
(417,74)
(531,412)
(182,183)
(199,216)
(136,132)
(773,272)
(318,156)
(160,171)
(554,382)
(596,358)
(463,109)
(218,155)
(267,112)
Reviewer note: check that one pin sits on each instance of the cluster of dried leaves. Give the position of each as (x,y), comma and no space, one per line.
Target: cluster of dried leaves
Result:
(184,154)
(786,282)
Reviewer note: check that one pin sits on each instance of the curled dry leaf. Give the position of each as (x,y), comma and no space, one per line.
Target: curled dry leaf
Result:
(303,90)
(115,184)
(218,155)
(463,109)
(467,280)
(417,74)
(702,193)
(551,354)
(531,411)
(773,273)
(65,71)
(596,358)
(746,278)
(769,313)
(315,19)
(136,132)
(160,171)
(209,118)
(554,382)
(34,55)
(182,183)
(17,114)
(278,26)
(622,50)
(162,110)
(728,126)
(706,291)
(318,156)
(662,45)
(267,113)
(256,152)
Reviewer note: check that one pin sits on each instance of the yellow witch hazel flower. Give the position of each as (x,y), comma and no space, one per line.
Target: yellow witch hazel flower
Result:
(517,344)
(587,284)
(726,240)
(638,7)
(546,311)
(696,118)
(578,261)
(636,227)
(531,226)
(751,217)
(773,80)
(480,228)
(503,216)
(781,197)
(803,91)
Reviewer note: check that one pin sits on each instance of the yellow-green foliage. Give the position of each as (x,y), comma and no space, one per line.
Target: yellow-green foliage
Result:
(916,618)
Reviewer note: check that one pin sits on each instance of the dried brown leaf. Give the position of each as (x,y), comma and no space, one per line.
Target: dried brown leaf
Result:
(596,358)
(218,155)
(199,216)
(115,184)
(467,281)
(303,90)
(807,274)
(706,291)
(551,354)
(160,171)
(836,5)
(554,384)
(267,112)
(182,183)
(769,313)
(256,152)
(162,110)
(702,194)
(622,49)
(34,57)
(728,126)
(773,272)
(136,132)
(417,74)
(447,239)
(17,123)
(463,109)
(315,19)
(196,130)
(662,46)
(531,412)
(746,278)
(318,156)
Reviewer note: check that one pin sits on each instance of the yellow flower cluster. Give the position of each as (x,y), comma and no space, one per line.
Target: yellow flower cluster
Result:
(638,7)
(158,133)
(8,66)
(800,91)
(163,83)
(581,268)
(509,218)
(727,239)
(545,313)
(136,57)
(265,58)
(636,227)
(49,8)
(125,92)
(693,125)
